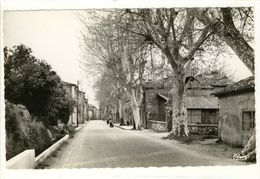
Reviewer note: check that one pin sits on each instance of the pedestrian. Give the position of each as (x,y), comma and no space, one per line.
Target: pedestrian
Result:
(111,123)
(109,120)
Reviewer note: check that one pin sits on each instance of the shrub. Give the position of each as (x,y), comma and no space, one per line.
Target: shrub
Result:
(23,131)
(32,82)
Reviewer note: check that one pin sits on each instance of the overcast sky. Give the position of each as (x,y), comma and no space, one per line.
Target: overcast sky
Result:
(55,37)
(52,36)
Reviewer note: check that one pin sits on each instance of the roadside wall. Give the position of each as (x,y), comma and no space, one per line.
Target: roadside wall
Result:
(24,160)
(157,125)
(27,159)
(40,158)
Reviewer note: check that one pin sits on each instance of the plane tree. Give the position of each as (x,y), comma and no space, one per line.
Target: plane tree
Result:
(116,53)
(236,29)
(179,35)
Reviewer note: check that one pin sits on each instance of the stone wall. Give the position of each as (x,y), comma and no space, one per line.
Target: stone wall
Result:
(157,125)
(152,103)
(230,121)
(198,92)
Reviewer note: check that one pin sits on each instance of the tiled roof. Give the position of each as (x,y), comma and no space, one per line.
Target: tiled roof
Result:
(67,83)
(244,85)
(202,81)
(209,81)
(195,102)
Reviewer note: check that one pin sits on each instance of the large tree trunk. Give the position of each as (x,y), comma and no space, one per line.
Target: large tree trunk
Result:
(179,111)
(136,110)
(228,32)
(249,152)
(236,41)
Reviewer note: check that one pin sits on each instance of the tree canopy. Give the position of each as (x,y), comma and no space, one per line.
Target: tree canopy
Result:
(33,83)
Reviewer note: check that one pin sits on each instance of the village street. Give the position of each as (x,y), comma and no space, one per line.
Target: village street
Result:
(98,146)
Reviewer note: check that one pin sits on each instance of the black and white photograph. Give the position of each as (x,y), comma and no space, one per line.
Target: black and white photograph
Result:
(125,87)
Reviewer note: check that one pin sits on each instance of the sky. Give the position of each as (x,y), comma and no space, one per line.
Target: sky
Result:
(55,37)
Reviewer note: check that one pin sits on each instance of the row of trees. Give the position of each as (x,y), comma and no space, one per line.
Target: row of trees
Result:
(121,44)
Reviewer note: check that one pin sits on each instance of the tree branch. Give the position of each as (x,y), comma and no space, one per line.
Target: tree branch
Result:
(203,37)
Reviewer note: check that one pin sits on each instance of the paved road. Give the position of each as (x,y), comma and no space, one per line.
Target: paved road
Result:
(98,146)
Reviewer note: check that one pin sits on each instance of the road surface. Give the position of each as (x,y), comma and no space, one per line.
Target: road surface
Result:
(98,146)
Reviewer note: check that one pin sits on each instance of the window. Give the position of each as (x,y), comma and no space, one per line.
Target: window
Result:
(194,116)
(248,120)
(202,116)
(209,116)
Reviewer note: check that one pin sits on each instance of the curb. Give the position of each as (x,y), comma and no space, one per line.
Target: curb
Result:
(120,127)
(41,157)
(80,126)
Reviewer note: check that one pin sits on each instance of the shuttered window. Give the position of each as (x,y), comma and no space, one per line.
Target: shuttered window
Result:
(248,120)
(202,116)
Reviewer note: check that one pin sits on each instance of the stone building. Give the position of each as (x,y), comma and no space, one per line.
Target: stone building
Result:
(154,107)
(82,107)
(71,90)
(237,111)
(79,113)
(202,107)
(92,112)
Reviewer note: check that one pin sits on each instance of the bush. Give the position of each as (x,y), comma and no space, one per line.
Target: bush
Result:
(32,82)
(23,131)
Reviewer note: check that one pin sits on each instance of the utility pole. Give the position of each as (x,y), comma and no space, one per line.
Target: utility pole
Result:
(77,103)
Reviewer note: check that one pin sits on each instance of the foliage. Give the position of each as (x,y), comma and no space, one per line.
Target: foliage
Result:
(234,27)
(32,82)
(23,131)
(117,54)
(182,35)
(107,92)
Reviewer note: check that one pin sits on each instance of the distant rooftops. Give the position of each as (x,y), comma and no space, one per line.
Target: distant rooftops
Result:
(210,81)
(71,84)
(68,84)
(202,81)
(245,85)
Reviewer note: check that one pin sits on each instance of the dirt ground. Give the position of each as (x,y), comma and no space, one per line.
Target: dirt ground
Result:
(206,144)
(210,145)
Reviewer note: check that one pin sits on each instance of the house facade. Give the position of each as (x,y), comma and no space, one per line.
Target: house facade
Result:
(92,112)
(202,107)
(82,107)
(71,91)
(154,109)
(237,111)
(79,114)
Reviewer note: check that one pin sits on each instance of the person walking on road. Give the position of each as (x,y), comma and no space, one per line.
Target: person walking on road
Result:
(109,120)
